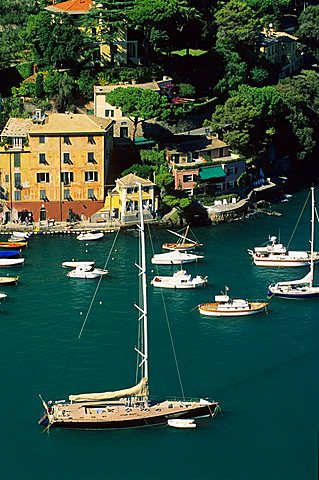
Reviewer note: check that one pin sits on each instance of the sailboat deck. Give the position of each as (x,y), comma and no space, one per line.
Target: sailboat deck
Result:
(82,413)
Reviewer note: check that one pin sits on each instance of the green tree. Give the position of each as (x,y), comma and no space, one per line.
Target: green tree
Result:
(248,119)
(158,18)
(106,22)
(54,41)
(139,104)
(308,31)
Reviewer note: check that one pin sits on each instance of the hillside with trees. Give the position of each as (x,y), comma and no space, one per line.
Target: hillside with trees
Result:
(211,49)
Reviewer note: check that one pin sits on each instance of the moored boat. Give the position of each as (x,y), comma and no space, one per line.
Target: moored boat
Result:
(74,264)
(88,236)
(8,280)
(180,423)
(6,253)
(180,279)
(304,287)
(87,271)
(223,306)
(13,245)
(183,243)
(11,262)
(175,257)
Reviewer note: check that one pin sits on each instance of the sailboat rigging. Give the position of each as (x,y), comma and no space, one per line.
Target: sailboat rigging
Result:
(129,407)
(183,243)
(303,287)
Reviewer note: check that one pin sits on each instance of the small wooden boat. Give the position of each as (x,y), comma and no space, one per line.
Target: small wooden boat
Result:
(8,280)
(74,264)
(181,423)
(180,279)
(11,262)
(10,244)
(223,306)
(183,243)
(90,236)
(6,253)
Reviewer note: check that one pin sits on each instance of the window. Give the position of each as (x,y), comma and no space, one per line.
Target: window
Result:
(131,50)
(17,195)
(17,179)
(124,132)
(6,178)
(41,139)
(42,158)
(230,185)
(91,139)
(67,177)
(66,157)
(16,160)
(66,140)
(109,113)
(232,171)
(146,189)
(195,155)
(175,158)
(43,195)
(187,178)
(67,194)
(91,158)
(91,195)
(91,176)
(43,177)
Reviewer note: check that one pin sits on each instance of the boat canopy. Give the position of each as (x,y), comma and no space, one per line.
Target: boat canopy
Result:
(306,279)
(139,390)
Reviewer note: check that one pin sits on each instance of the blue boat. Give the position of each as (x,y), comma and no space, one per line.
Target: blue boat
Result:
(9,253)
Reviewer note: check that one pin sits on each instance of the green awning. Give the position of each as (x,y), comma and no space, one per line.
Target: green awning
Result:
(142,141)
(212,172)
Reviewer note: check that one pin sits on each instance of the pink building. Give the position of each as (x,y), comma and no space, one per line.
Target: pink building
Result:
(204,164)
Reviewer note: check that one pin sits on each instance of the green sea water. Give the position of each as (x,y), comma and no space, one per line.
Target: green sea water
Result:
(262,369)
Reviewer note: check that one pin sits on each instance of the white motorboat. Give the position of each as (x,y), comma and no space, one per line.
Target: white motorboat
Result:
(20,235)
(3,296)
(74,264)
(181,423)
(277,255)
(87,271)
(90,236)
(180,279)
(11,262)
(303,287)
(175,257)
(223,306)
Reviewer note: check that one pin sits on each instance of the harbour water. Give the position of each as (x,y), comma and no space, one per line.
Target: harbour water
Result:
(262,369)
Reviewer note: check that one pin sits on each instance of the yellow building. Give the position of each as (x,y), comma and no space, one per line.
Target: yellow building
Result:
(281,48)
(53,165)
(122,203)
(121,51)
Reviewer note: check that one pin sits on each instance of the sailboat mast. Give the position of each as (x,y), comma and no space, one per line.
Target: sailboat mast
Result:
(144,295)
(312,232)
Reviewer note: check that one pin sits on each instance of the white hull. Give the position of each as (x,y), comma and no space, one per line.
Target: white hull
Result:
(230,313)
(79,273)
(90,236)
(180,280)
(175,258)
(282,261)
(11,262)
(74,264)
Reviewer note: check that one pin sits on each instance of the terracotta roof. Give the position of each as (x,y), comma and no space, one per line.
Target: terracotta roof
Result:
(71,123)
(131,180)
(71,6)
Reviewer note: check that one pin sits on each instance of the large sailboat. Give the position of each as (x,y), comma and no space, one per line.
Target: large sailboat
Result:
(130,407)
(303,287)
